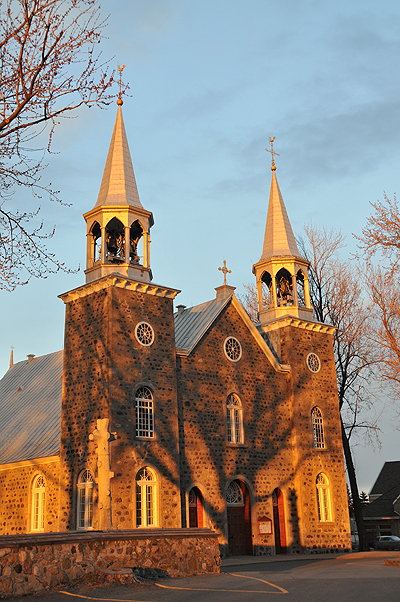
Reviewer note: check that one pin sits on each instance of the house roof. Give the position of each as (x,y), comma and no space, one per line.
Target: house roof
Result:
(30,409)
(191,324)
(387,486)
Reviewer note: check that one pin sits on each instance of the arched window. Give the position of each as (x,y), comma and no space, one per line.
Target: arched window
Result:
(38,503)
(234,419)
(324,499)
(85,500)
(195,508)
(144,413)
(317,428)
(146,498)
(234,494)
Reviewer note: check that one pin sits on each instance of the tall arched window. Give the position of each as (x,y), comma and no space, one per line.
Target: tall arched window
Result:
(317,428)
(144,413)
(146,501)
(324,499)
(85,500)
(234,419)
(38,503)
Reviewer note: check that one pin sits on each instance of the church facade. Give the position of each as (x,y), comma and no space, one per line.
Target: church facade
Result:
(199,417)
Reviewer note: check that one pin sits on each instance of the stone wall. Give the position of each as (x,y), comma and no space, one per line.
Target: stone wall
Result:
(33,563)
(277,452)
(104,364)
(265,460)
(310,390)
(16,493)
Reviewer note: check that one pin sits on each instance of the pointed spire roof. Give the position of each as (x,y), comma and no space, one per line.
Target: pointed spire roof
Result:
(118,186)
(279,239)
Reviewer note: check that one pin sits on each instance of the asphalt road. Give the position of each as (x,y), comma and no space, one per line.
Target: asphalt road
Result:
(352,578)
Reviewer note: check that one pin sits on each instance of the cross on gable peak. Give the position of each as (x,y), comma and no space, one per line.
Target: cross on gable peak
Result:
(225,271)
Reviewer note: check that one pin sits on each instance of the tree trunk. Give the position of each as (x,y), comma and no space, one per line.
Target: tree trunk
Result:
(362,534)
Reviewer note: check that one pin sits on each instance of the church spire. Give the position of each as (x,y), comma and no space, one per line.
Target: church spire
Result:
(281,272)
(118,226)
(118,186)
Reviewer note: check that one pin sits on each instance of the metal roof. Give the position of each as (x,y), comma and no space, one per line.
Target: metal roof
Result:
(30,409)
(192,323)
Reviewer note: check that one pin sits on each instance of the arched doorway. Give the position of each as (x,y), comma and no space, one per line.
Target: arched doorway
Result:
(195,508)
(279,521)
(239,519)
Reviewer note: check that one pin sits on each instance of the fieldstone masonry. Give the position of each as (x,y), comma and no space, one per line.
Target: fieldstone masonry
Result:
(33,563)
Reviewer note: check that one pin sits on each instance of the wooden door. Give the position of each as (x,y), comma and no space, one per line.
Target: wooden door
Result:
(195,508)
(239,521)
(279,522)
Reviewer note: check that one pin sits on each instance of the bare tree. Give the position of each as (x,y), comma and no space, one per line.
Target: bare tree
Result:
(380,240)
(48,68)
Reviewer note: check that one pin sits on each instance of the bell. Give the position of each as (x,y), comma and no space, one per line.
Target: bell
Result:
(112,244)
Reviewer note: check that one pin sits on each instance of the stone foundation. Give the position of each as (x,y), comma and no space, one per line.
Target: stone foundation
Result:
(33,563)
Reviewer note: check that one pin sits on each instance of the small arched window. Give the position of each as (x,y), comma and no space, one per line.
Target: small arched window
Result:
(234,419)
(144,413)
(317,428)
(324,499)
(85,500)
(234,494)
(146,500)
(38,503)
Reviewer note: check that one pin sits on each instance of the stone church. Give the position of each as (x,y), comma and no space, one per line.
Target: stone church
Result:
(151,419)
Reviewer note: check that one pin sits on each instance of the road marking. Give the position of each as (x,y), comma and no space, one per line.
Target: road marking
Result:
(239,591)
(194,589)
(99,599)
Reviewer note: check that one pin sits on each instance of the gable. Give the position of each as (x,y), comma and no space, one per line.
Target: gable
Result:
(193,323)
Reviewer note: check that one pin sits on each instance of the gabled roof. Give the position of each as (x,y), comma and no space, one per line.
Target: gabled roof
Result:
(30,409)
(192,324)
(118,186)
(387,486)
(279,238)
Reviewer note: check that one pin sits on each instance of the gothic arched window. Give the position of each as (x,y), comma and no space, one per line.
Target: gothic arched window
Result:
(144,413)
(323,499)
(38,503)
(234,419)
(234,494)
(85,500)
(146,500)
(317,428)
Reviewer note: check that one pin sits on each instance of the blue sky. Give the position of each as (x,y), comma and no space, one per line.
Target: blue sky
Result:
(210,82)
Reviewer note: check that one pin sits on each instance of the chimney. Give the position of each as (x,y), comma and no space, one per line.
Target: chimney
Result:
(30,357)
(180,309)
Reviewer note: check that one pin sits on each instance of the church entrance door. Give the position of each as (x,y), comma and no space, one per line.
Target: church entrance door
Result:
(239,519)
(195,508)
(279,522)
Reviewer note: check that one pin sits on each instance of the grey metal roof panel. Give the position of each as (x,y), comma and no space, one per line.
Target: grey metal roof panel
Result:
(192,323)
(30,409)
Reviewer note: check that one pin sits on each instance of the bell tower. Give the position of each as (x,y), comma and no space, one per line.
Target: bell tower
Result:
(118,226)
(281,273)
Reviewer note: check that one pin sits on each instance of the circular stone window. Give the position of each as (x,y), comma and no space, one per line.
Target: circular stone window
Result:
(313,362)
(144,333)
(233,349)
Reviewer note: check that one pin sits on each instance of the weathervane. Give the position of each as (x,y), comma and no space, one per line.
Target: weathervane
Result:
(273,153)
(225,271)
(120,101)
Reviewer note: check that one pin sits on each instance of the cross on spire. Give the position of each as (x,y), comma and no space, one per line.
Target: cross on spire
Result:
(120,101)
(225,271)
(273,153)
